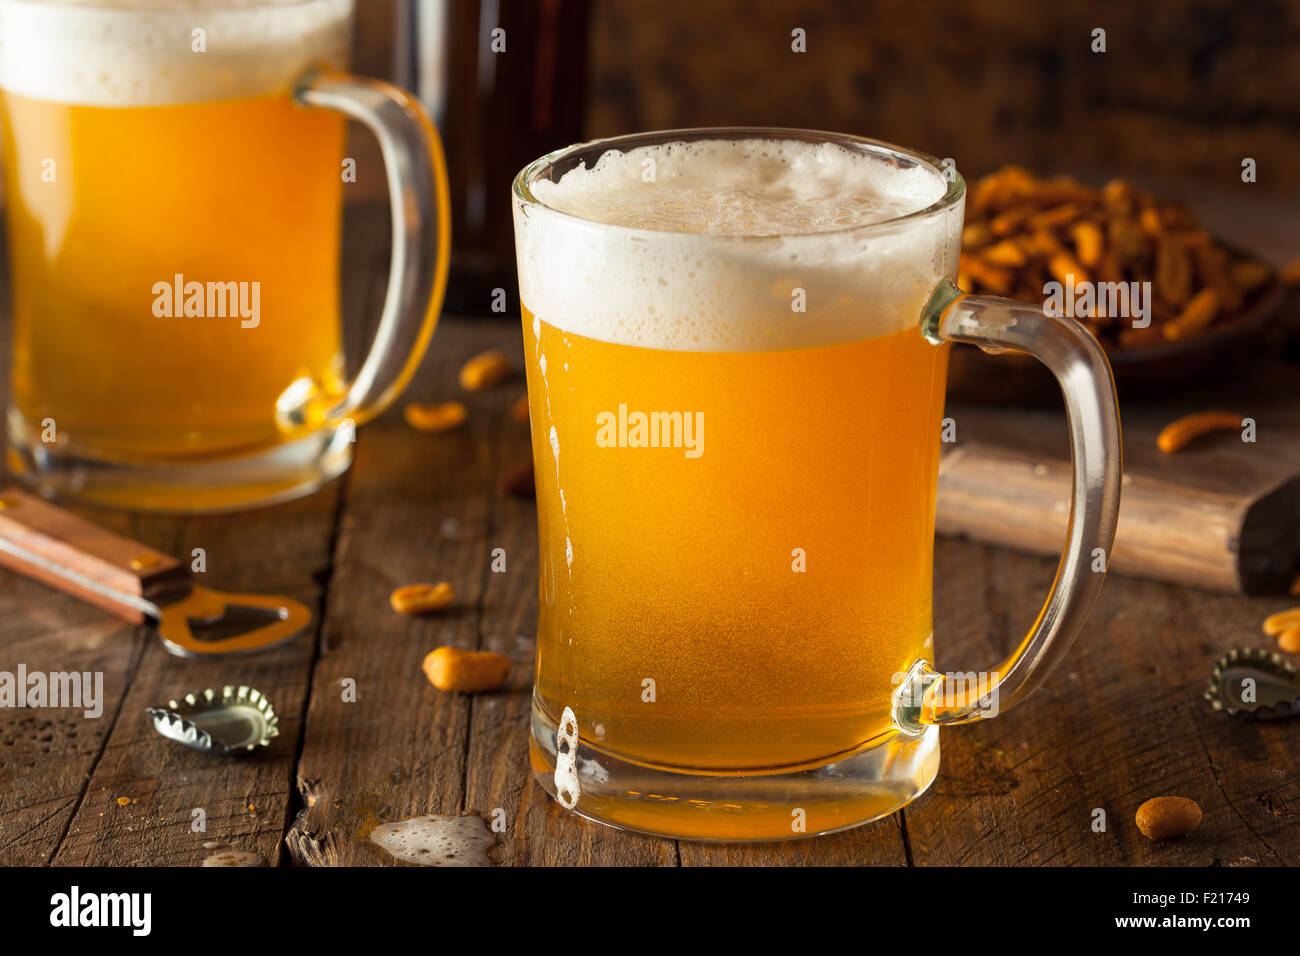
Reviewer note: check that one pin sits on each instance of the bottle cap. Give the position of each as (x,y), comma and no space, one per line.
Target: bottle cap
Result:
(225,721)
(1254,683)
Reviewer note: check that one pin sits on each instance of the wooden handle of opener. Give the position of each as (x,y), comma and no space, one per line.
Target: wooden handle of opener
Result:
(57,543)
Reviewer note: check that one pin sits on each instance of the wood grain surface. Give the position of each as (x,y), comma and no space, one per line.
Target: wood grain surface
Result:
(1121,720)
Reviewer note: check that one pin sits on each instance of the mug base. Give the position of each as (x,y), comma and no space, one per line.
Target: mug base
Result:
(886,774)
(276,474)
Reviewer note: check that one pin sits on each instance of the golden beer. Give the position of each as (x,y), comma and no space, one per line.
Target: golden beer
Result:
(771,587)
(736,430)
(174,222)
(243,191)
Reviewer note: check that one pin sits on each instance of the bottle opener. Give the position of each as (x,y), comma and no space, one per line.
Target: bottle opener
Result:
(134,582)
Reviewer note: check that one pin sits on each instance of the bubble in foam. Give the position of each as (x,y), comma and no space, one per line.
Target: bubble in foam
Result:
(437,840)
(120,53)
(748,187)
(715,251)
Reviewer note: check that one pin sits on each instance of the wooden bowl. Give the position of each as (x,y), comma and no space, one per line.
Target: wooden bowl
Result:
(1017,378)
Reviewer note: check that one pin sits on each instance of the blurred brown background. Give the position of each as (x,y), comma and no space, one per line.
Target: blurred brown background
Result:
(1184,91)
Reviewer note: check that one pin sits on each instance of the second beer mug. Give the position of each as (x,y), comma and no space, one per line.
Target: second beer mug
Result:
(174,183)
(736,344)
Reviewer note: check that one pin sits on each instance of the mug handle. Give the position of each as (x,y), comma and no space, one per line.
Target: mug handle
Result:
(417,275)
(925,697)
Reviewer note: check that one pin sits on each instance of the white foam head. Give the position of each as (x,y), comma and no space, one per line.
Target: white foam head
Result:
(142,52)
(705,245)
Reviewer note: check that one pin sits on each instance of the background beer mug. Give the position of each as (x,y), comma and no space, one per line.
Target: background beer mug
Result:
(173,182)
(737,345)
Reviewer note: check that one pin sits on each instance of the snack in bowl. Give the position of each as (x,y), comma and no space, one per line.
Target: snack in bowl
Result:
(1023,232)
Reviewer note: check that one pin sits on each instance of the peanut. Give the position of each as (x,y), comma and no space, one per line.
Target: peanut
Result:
(1025,231)
(1289,274)
(1250,275)
(1275,624)
(1178,433)
(1198,314)
(1289,640)
(435,418)
(1294,590)
(422,598)
(520,410)
(484,370)
(1163,817)
(1004,253)
(1088,241)
(451,669)
(518,479)
(996,279)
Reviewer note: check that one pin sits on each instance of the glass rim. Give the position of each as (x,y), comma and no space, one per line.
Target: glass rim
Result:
(953,194)
(160,12)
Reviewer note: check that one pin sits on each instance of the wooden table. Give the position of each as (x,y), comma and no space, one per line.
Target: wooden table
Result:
(1120,721)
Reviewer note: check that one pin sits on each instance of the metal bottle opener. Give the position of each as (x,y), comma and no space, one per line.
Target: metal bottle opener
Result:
(133,581)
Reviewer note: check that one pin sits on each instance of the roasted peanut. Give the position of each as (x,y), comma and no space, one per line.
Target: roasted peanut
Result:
(1249,276)
(485,370)
(1163,817)
(1178,433)
(1195,317)
(520,410)
(451,669)
(1088,242)
(1004,253)
(1294,590)
(518,480)
(435,418)
(1150,221)
(1289,274)
(1051,218)
(976,235)
(422,598)
(1289,640)
(1173,280)
(1275,624)
(993,278)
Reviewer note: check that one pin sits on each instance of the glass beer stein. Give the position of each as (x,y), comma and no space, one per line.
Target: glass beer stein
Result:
(173,183)
(736,345)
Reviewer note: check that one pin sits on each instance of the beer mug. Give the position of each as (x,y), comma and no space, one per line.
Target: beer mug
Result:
(173,183)
(736,345)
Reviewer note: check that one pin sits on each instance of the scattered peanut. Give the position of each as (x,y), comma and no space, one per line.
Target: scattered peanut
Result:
(1289,640)
(435,418)
(1289,274)
(1195,317)
(1275,624)
(520,410)
(1294,590)
(518,479)
(1178,433)
(1163,817)
(451,669)
(485,370)
(422,598)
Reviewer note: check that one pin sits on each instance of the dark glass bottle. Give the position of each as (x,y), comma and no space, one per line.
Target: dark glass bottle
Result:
(506,82)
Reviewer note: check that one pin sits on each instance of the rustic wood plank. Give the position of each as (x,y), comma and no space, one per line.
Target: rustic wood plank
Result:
(416,510)
(539,831)
(1122,720)
(46,756)
(245,800)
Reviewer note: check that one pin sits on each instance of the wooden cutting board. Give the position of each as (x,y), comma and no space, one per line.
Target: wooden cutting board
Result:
(1221,514)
